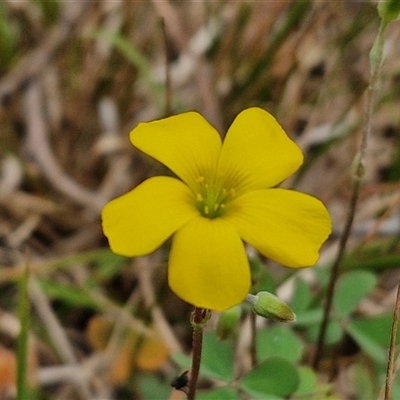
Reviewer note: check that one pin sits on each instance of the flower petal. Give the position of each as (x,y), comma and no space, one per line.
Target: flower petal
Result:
(141,220)
(286,226)
(208,266)
(186,143)
(257,153)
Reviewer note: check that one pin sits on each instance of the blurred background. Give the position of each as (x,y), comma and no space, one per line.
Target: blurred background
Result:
(77,76)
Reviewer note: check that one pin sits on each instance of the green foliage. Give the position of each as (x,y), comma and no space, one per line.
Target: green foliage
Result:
(217,359)
(8,38)
(280,352)
(267,378)
(228,322)
(152,387)
(377,256)
(71,295)
(350,290)
(373,335)
(140,61)
(224,393)
(49,8)
(279,341)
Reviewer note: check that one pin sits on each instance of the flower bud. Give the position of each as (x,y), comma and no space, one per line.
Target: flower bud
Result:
(228,321)
(389,10)
(269,306)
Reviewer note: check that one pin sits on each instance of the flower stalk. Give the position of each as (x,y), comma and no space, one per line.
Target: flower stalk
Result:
(199,319)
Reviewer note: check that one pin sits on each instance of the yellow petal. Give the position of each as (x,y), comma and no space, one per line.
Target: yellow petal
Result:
(208,266)
(141,220)
(186,143)
(257,153)
(286,226)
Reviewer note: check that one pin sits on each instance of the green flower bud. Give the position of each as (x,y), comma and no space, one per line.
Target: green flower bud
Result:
(228,321)
(389,10)
(269,306)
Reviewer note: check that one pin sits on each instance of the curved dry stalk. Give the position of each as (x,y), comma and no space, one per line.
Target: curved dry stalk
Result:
(57,335)
(144,268)
(38,145)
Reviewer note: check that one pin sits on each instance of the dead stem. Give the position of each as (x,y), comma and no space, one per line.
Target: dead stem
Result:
(358,170)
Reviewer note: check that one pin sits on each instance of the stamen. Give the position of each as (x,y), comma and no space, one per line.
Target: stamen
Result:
(211,199)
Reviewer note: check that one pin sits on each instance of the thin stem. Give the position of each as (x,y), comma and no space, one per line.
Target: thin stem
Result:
(24,310)
(334,275)
(358,170)
(253,349)
(392,348)
(199,319)
(168,87)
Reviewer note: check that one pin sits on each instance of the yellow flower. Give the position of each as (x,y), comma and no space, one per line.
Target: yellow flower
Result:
(225,194)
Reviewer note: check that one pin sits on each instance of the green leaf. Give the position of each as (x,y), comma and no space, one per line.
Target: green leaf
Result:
(308,382)
(351,289)
(308,317)
(262,278)
(217,358)
(334,332)
(108,265)
(373,335)
(182,360)
(364,381)
(71,294)
(151,387)
(302,296)
(275,376)
(224,393)
(228,322)
(279,341)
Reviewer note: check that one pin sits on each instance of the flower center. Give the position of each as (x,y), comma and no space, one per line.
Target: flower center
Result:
(211,198)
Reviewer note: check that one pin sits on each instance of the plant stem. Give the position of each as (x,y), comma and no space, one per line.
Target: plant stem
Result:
(23,337)
(358,170)
(392,348)
(199,319)
(253,346)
